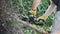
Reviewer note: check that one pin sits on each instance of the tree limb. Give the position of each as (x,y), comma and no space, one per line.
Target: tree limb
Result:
(25,24)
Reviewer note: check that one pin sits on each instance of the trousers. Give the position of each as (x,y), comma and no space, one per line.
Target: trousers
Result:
(56,24)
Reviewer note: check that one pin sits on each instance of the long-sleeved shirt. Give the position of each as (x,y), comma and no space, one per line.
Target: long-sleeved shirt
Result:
(57,2)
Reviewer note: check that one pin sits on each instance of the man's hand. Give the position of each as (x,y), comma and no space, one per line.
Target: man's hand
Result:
(32,12)
(42,18)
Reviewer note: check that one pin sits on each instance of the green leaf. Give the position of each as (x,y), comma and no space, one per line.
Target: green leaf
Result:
(14,21)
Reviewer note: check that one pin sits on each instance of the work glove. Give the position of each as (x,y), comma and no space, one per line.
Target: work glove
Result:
(42,18)
(32,15)
(32,12)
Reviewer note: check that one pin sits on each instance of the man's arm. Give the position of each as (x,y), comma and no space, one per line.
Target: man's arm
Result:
(34,7)
(47,13)
(35,4)
(50,9)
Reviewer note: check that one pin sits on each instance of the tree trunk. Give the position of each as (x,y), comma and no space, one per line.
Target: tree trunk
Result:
(8,7)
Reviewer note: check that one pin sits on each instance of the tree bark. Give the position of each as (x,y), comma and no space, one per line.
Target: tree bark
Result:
(6,26)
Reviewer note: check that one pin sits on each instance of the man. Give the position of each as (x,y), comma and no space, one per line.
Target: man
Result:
(56,24)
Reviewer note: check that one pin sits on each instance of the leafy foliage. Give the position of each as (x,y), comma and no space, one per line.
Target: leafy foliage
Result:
(26,5)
